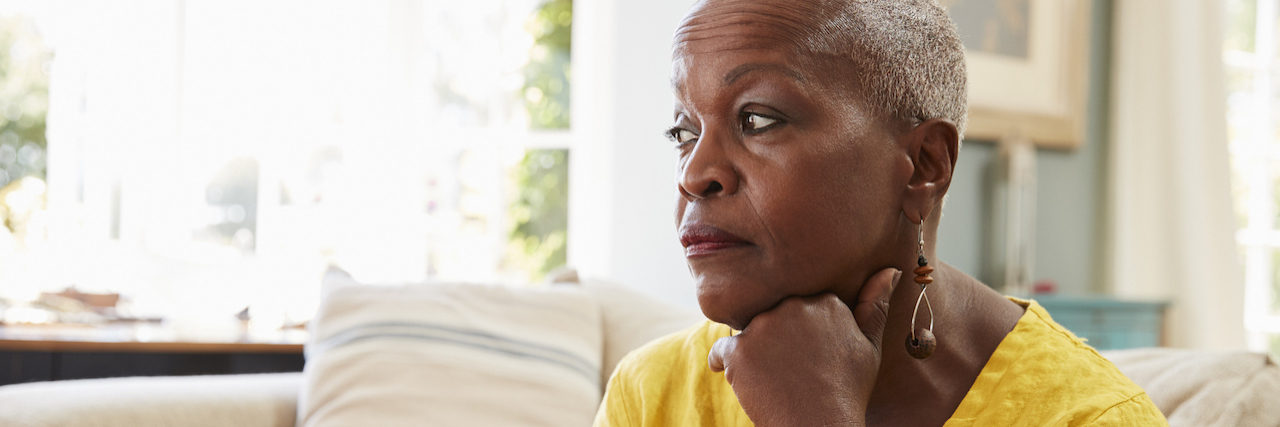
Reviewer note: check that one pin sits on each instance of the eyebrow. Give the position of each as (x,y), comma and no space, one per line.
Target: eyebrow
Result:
(744,69)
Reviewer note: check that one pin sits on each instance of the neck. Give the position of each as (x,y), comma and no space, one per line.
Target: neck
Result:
(946,296)
(971,320)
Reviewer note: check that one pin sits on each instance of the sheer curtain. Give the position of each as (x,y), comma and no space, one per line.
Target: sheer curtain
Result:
(1171,222)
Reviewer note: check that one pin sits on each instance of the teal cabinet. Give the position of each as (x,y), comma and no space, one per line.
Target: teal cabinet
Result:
(1108,323)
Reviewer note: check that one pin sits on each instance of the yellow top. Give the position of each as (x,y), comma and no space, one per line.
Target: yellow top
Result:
(1040,375)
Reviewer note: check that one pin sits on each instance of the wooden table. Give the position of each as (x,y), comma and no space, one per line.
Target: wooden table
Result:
(59,352)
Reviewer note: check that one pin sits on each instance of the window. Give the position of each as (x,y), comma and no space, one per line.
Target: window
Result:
(24,99)
(216,155)
(1250,57)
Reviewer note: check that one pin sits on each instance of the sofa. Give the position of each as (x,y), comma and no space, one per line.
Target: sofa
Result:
(488,355)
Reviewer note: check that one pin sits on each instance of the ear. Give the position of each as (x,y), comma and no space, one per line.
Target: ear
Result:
(933,147)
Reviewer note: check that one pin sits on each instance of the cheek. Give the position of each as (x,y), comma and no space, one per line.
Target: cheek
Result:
(826,214)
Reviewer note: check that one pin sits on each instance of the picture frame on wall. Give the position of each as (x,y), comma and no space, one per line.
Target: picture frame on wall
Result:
(1028,63)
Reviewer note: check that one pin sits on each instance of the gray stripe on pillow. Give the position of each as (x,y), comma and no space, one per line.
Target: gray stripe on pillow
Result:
(468,338)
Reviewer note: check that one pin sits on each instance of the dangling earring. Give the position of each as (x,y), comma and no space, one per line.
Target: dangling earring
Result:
(921,342)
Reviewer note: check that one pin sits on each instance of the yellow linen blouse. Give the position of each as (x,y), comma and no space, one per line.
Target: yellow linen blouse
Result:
(1040,375)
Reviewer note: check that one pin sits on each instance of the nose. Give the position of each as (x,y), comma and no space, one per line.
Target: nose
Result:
(707,171)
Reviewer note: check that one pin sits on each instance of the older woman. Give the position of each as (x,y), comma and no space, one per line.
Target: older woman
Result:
(816,141)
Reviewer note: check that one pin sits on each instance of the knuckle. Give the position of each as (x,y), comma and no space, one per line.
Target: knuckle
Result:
(790,304)
(728,345)
(741,361)
(830,301)
(827,305)
(723,347)
(763,320)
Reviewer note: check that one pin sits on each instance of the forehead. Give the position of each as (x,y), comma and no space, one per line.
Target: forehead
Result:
(726,25)
(719,41)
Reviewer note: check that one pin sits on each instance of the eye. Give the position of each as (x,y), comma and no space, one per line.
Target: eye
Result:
(752,122)
(681,136)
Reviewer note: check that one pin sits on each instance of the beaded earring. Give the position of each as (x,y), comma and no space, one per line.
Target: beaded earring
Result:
(921,342)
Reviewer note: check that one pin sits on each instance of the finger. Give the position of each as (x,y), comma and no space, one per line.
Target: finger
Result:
(720,353)
(872,309)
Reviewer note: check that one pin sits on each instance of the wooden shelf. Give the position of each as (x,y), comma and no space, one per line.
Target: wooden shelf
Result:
(147,347)
(147,338)
(66,352)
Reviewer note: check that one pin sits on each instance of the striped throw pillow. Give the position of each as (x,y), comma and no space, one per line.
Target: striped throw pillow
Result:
(451,354)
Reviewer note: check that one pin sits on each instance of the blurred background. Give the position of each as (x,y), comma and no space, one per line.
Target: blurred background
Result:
(202,157)
(196,158)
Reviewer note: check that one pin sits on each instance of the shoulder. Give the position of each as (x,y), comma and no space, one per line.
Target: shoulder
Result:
(680,349)
(668,382)
(1042,371)
(1041,348)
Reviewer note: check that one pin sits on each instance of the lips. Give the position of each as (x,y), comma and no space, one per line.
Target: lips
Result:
(701,239)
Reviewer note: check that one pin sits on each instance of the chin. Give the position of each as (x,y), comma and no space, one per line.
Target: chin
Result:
(731,305)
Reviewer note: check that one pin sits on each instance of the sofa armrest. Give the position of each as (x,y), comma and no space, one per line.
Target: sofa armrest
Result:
(1205,388)
(256,400)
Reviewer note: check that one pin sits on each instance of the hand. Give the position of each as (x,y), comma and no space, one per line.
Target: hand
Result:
(809,361)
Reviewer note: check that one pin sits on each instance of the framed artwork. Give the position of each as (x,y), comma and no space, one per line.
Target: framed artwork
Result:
(1028,64)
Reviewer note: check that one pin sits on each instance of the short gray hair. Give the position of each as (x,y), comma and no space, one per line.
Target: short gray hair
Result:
(909,57)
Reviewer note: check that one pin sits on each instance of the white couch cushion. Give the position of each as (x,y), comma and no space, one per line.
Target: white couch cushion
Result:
(632,319)
(441,354)
(258,400)
(1205,388)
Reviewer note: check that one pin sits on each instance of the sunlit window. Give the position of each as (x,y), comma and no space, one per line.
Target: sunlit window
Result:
(1250,57)
(24,100)
(211,156)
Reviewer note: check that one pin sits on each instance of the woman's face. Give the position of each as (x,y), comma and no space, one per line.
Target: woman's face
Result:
(787,184)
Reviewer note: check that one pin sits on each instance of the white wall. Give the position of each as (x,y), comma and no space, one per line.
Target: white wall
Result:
(622,185)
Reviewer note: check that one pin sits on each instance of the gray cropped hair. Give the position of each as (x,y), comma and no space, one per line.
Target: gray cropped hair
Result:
(909,57)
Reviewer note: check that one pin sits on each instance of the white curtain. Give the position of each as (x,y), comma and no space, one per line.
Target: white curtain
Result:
(1171,222)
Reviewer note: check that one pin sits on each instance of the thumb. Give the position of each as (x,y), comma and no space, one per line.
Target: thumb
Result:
(721,351)
(872,309)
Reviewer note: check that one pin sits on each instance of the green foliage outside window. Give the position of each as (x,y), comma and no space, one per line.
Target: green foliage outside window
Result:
(540,210)
(540,214)
(546,88)
(24,102)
